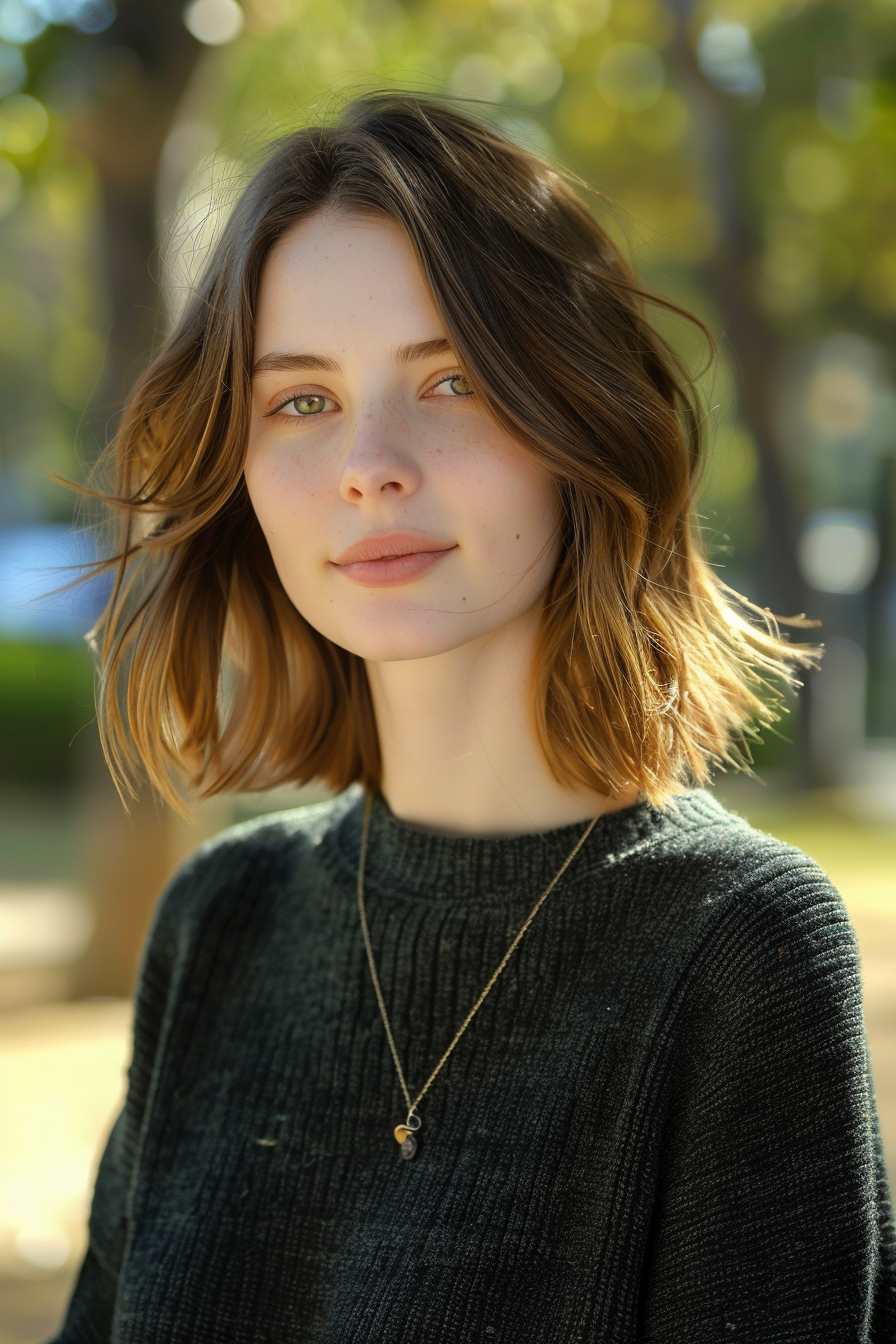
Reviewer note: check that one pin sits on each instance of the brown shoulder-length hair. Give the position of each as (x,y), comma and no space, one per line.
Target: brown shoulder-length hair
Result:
(648,669)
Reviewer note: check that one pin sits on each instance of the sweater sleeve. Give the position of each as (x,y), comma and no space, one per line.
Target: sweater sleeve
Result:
(774,1220)
(168,950)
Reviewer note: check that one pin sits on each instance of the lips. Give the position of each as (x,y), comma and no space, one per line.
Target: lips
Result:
(399,557)
(389,547)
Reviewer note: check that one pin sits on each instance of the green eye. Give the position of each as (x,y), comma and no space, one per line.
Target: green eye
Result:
(460,386)
(310,404)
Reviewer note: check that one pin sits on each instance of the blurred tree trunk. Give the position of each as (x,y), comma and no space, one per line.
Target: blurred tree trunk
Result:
(137,72)
(731,280)
(730,276)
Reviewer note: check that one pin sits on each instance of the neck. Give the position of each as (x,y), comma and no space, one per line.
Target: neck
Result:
(458,746)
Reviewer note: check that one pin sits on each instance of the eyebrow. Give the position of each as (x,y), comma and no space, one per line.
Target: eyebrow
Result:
(279,361)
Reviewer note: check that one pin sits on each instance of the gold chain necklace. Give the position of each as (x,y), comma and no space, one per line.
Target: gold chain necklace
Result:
(405,1133)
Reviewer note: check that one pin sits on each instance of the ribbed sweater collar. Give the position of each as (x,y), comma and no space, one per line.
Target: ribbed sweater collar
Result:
(407,859)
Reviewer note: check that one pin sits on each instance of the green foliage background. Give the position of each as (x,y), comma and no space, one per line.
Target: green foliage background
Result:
(766,206)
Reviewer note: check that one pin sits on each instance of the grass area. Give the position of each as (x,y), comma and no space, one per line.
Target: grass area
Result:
(46,703)
(40,837)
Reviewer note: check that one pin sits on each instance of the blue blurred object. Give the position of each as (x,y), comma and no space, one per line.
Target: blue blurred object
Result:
(35,563)
(88,16)
(728,59)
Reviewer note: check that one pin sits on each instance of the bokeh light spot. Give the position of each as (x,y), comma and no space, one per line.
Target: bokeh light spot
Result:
(478,76)
(20,22)
(839,551)
(88,16)
(23,124)
(726,56)
(93,17)
(839,401)
(816,178)
(214,22)
(531,69)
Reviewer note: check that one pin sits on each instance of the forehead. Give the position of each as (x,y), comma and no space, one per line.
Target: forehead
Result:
(340,278)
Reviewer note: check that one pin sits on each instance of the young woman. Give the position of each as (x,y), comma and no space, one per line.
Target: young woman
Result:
(523,1037)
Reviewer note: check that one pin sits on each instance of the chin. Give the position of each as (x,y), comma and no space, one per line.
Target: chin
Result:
(380,640)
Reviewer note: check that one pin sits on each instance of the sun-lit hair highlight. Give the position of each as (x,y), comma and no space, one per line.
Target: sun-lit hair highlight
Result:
(648,669)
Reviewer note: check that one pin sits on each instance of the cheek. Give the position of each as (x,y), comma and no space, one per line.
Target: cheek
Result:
(517,507)
(261,475)
(281,492)
(286,500)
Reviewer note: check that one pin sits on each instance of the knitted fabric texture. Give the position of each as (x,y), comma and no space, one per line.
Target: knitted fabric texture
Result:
(660,1127)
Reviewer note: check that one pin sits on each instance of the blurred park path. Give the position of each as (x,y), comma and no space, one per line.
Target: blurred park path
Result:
(61,1083)
(62,1068)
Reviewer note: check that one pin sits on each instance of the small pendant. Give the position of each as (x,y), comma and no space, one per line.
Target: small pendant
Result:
(404,1137)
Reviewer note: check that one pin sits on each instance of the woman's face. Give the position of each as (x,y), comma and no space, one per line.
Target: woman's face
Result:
(402,520)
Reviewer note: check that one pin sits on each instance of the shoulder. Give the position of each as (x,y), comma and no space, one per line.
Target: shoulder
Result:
(724,855)
(749,901)
(248,863)
(277,835)
(239,880)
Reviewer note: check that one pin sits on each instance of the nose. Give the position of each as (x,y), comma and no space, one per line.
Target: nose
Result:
(379,465)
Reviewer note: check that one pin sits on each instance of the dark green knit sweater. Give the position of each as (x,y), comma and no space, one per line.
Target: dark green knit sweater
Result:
(659,1127)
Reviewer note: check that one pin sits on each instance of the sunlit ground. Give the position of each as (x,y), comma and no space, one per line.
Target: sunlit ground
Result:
(61,1081)
(61,1067)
